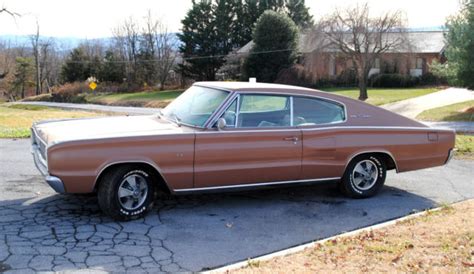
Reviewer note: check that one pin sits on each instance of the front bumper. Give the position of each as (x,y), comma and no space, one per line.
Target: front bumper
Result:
(41,164)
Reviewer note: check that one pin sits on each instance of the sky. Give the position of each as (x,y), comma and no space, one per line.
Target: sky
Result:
(96,18)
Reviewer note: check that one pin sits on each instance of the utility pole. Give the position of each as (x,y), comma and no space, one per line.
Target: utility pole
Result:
(36,53)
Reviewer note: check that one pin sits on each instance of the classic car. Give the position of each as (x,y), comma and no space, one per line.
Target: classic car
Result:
(220,136)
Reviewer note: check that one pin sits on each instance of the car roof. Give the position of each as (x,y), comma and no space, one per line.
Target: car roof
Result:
(241,86)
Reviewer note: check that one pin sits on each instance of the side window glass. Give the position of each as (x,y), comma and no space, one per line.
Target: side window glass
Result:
(230,115)
(310,111)
(263,111)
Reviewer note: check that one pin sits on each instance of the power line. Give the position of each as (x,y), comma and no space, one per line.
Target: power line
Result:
(231,54)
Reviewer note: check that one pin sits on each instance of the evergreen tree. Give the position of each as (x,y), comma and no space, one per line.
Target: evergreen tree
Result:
(299,13)
(225,15)
(247,14)
(460,48)
(113,70)
(249,11)
(275,5)
(76,67)
(276,40)
(22,75)
(200,44)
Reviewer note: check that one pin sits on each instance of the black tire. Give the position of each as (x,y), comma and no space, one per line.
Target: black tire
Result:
(358,185)
(122,178)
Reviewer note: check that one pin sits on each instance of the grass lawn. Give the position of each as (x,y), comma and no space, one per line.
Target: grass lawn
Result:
(383,96)
(16,120)
(145,99)
(440,242)
(465,146)
(456,112)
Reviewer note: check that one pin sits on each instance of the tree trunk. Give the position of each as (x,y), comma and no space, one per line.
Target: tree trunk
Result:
(363,88)
(23,91)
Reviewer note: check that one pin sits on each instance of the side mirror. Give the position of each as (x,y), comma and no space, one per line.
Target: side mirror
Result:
(221,124)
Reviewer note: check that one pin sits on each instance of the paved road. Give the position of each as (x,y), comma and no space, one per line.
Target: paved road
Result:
(414,106)
(94,107)
(41,231)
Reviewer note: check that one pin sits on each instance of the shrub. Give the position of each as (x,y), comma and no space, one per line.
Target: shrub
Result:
(295,75)
(393,81)
(347,78)
(276,40)
(429,79)
(70,93)
(446,71)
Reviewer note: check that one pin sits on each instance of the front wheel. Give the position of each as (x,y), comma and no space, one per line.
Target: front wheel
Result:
(364,176)
(126,193)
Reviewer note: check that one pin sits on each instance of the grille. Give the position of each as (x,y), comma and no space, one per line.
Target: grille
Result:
(42,149)
(35,140)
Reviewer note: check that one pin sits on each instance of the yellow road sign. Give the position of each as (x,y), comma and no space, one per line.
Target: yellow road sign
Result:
(92,85)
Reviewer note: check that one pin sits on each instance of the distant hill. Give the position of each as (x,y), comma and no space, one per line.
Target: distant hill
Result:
(66,43)
(63,42)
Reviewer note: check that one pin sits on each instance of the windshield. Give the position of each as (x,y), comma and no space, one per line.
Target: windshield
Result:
(194,106)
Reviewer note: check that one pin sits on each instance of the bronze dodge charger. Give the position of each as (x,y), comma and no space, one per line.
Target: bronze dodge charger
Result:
(228,135)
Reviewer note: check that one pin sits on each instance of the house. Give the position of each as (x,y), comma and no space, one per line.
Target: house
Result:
(321,60)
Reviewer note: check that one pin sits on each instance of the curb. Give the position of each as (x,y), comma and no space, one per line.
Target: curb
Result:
(302,247)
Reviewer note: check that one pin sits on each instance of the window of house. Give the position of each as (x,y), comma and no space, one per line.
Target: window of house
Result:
(377,63)
(313,111)
(419,63)
(332,65)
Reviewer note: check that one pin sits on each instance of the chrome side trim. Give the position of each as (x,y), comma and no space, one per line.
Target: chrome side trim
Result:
(371,151)
(381,127)
(326,128)
(243,186)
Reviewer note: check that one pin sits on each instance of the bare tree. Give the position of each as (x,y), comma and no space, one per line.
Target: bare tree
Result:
(9,12)
(362,38)
(5,71)
(35,44)
(147,48)
(48,63)
(163,45)
(126,37)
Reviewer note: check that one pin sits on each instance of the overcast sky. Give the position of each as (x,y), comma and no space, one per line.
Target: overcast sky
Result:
(96,18)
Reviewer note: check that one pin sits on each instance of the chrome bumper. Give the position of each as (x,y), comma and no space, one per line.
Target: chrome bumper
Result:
(40,163)
(450,156)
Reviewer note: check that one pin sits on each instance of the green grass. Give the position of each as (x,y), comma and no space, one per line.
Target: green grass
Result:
(455,112)
(383,96)
(16,120)
(28,107)
(145,98)
(465,146)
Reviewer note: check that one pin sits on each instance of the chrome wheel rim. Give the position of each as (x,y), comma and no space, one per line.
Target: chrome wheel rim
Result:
(364,175)
(132,192)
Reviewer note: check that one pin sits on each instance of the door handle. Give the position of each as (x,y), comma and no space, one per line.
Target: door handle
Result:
(293,139)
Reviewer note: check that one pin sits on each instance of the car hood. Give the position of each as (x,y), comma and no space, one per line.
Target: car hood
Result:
(52,132)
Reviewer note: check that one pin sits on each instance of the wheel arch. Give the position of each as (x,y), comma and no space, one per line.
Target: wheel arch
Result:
(152,168)
(390,161)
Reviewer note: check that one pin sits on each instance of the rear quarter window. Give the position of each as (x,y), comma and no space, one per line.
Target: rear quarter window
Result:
(313,111)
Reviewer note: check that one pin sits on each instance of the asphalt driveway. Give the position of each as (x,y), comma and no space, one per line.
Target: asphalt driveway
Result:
(42,231)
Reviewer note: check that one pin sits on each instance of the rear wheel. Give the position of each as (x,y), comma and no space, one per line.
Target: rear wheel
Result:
(126,192)
(364,176)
